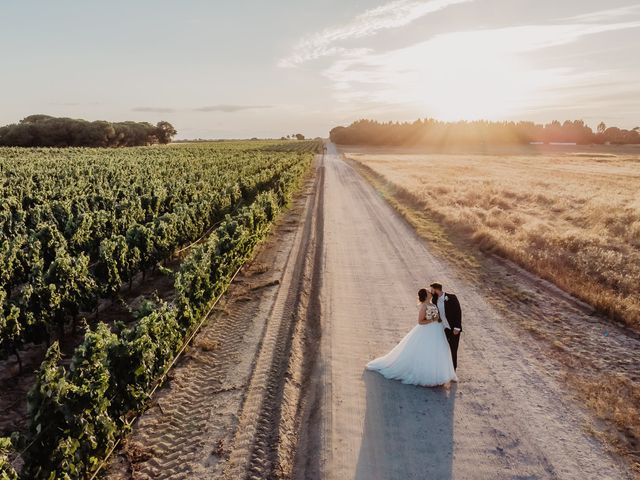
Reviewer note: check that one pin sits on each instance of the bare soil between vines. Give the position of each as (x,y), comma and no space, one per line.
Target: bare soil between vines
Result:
(15,385)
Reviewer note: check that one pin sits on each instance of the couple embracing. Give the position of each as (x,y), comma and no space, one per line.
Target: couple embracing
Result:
(428,354)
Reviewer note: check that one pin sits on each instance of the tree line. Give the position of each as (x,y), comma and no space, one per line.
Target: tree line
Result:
(434,132)
(48,131)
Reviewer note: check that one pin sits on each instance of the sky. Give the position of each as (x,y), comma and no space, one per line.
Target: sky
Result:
(249,68)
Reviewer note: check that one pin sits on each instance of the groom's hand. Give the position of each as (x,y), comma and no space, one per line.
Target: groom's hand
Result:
(456,331)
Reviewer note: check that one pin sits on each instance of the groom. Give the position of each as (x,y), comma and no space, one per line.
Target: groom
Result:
(451,315)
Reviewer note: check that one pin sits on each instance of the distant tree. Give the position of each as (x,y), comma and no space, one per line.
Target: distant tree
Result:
(299,136)
(36,118)
(601,127)
(165,132)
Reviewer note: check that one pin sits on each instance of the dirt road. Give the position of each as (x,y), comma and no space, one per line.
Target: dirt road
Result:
(506,419)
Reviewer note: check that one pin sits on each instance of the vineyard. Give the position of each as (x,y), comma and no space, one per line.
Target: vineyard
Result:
(77,226)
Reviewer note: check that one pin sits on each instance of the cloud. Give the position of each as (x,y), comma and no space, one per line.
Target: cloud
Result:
(607,15)
(469,74)
(230,108)
(391,15)
(226,108)
(75,104)
(154,109)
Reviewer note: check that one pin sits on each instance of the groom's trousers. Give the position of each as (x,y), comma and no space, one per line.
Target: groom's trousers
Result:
(453,340)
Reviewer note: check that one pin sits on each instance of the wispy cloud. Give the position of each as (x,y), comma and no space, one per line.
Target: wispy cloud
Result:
(391,15)
(74,104)
(154,109)
(230,108)
(469,74)
(607,15)
(222,107)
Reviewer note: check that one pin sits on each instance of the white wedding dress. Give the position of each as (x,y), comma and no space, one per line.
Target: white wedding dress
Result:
(422,357)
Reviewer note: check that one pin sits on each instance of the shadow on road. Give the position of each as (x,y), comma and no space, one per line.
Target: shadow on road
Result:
(408,431)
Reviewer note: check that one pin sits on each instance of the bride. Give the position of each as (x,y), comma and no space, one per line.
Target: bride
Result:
(422,357)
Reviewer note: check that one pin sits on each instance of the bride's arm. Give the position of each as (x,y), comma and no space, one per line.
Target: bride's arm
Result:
(422,317)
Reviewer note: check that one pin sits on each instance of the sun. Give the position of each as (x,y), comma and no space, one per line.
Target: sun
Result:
(460,76)
(463,81)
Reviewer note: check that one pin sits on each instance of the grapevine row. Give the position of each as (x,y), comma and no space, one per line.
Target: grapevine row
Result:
(78,223)
(77,414)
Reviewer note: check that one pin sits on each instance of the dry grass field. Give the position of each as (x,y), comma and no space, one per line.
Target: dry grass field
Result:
(568,214)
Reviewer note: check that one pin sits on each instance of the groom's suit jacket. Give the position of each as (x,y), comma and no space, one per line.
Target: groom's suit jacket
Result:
(452,309)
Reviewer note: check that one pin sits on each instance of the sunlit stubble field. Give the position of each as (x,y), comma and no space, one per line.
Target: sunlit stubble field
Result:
(573,218)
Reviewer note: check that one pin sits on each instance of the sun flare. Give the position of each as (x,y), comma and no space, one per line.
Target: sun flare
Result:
(480,74)
(463,81)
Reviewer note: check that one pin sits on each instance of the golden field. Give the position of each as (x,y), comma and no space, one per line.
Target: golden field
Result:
(569,214)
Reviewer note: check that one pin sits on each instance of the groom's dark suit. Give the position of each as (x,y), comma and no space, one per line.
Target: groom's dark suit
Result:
(453,312)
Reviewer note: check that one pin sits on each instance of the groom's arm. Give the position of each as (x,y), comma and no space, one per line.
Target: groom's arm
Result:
(456,313)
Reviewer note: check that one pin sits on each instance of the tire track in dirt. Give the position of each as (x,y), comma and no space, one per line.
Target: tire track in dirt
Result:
(266,435)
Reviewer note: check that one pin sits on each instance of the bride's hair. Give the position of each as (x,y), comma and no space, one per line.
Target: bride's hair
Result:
(423,295)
